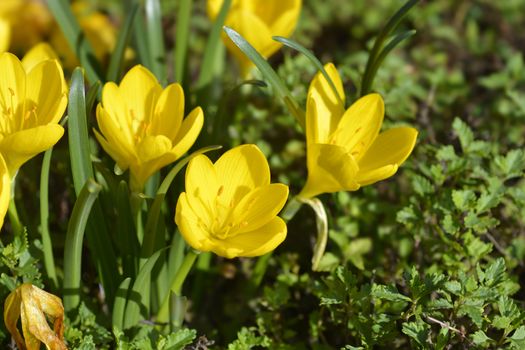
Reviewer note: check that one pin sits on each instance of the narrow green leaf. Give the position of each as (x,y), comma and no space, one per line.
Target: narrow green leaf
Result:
(392,24)
(92,95)
(138,298)
(117,316)
(75,37)
(47,245)
(155,39)
(211,50)
(78,134)
(117,57)
(139,39)
(310,55)
(269,74)
(181,38)
(154,213)
(74,243)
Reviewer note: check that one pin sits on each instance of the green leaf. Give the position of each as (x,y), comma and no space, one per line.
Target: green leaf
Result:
(518,338)
(465,134)
(480,338)
(310,55)
(78,132)
(181,38)
(155,39)
(138,298)
(119,307)
(212,47)
(463,199)
(177,340)
(356,249)
(269,74)
(116,63)
(418,331)
(75,37)
(388,293)
(74,242)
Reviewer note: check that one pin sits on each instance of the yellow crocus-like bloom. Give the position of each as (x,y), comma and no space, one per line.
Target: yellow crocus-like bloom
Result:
(257,21)
(344,148)
(141,125)
(230,207)
(5,190)
(32,102)
(38,53)
(34,306)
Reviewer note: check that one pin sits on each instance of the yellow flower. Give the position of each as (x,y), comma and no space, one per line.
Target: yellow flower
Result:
(32,102)
(29,22)
(344,148)
(33,306)
(99,30)
(230,207)
(38,53)
(5,190)
(257,21)
(141,125)
(5,35)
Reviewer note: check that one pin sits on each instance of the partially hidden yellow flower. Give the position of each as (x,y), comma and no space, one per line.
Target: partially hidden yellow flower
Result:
(5,35)
(34,306)
(344,148)
(33,97)
(141,125)
(29,22)
(5,190)
(230,207)
(257,21)
(100,32)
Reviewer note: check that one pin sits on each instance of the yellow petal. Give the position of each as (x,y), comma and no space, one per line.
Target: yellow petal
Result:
(253,243)
(281,16)
(188,132)
(152,147)
(240,170)
(115,106)
(12,314)
(202,187)
(258,207)
(169,112)
(330,169)
(140,90)
(34,303)
(23,145)
(190,226)
(5,190)
(5,35)
(12,83)
(254,30)
(327,108)
(390,147)
(389,150)
(38,53)
(360,125)
(46,93)
(122,146)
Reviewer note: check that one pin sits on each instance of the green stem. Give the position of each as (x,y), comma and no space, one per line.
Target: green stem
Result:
(47,246)
(136,201)
(176,284)
(13,217)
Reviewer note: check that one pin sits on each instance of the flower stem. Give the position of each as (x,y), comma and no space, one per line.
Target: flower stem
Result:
(183,271)
(13,217)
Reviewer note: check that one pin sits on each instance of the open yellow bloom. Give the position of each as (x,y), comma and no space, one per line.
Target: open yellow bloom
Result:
(141,125)
(230,207)
(257,21)
(344,148)
(32,305)
(32,102)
